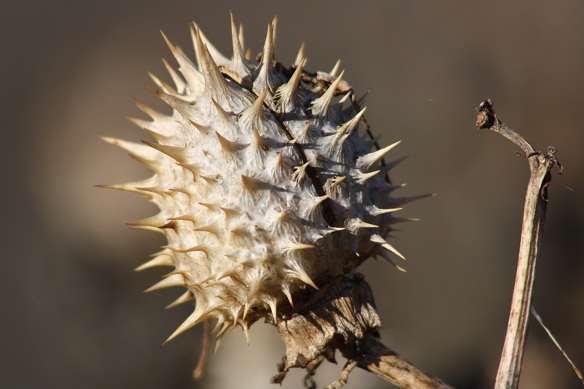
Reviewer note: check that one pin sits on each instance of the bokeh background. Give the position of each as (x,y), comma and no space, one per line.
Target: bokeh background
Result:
(73,315)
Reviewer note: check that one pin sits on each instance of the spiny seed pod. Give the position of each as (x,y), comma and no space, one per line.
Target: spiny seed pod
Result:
(266,189)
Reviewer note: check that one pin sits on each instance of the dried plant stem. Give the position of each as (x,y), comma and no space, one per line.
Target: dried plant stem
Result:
(531,232)
(343,317)
(394,368)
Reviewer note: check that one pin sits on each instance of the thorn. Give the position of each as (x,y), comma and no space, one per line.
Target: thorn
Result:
(183,107)
(176,153)
(163,85)
(239,62)
(131,187)
(273,308)
(186,67)
(299,173)
(229,147)
(220,337)
(287,94)
(230,212)
(304,135)
(168,282)
(136,149)
(160,138)
(375,238)
(297,271)
(201,128)
(335,143)
(154,115)
(211,228)
(157,189)
(216,55)
(184,298)
(295,246)
(252,117)
(252,184)
(389,259)
(348,127)
(258,142)
(264,77)
(345,97)
(160,260)
(193,168)
(300,55)
(333,72)
(220,322)
(274,27)
(215,83)
(286,291)
(378,211)
(210,206)
(277,168)
(245,310)
(255,280)
(200,247)
(246,331)
(366,161)
(320,106)
(224,117)
(187,218)
(235,314)
(152,221)
(354,225)
(178,81)
(320,199)
(361,178)
(201,313)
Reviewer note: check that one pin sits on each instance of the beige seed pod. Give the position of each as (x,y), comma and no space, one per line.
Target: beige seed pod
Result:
(267,189)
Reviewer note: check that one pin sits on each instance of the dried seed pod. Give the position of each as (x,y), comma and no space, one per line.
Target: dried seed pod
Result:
(266,189)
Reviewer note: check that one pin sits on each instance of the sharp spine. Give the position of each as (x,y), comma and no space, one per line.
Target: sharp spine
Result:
(184,298)
(201,313)
(366,161)
(179,84)
(264,77)
(168,282)
(189,71)
(320,106)
(215,84)
(239,62)
(216,55)
(160,260)
(375,238)
(300,55)
(287,94)
(336,68)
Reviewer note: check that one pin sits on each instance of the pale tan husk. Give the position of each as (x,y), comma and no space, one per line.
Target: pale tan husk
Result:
(264,184)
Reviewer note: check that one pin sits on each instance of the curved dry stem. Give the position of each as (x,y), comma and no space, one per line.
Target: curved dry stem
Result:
(394,368)
(531,232)
(342,317)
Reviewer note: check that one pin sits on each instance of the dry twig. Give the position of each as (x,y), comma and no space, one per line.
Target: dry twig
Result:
(536,199)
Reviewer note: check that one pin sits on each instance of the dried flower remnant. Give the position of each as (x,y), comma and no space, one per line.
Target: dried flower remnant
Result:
(269,196)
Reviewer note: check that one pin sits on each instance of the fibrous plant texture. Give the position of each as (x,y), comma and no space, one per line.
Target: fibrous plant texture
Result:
(268,191)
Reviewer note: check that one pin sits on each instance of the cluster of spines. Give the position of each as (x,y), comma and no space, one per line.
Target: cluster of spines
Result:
(242,172)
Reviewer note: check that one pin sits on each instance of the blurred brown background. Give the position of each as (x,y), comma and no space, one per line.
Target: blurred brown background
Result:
(73,315)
